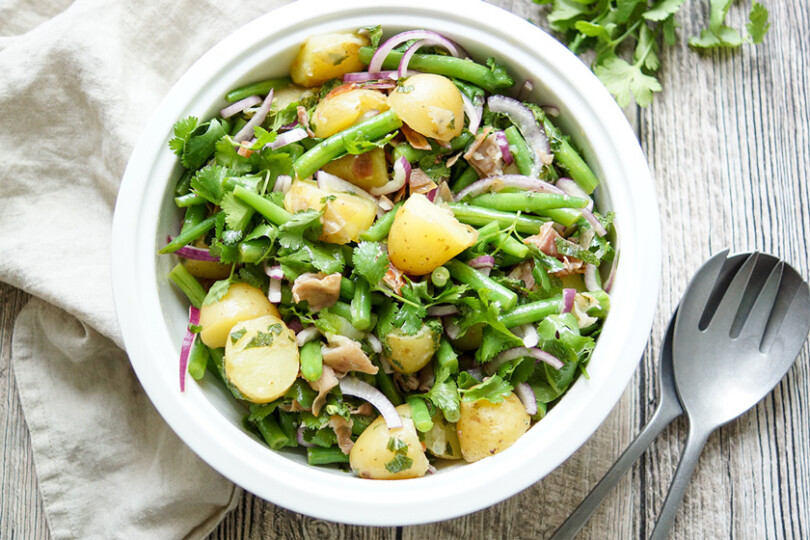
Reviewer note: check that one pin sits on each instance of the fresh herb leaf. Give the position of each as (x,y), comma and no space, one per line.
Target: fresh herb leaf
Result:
(264,339)
(494,390)
(291,234)
(397,445)
(375,34)
(444,395)
(758,24)
(662,10)
(400,463)
(217,291)
(201,143)
(208,183)
(182,131)
(370,261)
(627,81)
(237,213)
(237,335)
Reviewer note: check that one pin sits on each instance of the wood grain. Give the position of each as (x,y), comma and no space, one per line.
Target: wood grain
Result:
(728,143)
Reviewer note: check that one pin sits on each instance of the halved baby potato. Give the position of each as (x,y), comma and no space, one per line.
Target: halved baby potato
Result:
(389,454)
(409,354)
(261,358)
(368,170)
(486,428)
(327,56)
(430,104)
(442,439)
(240,303)
(343,107)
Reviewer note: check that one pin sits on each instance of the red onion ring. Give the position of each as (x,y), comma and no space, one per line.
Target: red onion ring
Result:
(452,330)
(503,144)
(195,253)
(335,184)
(529,335)
(608,283)
(188,342)
(375,66)
(352,386)
(521,352)
(306,335)
(288,137)
(482,261)
(374,342)
(283,183)
(524,119)
(474,113)
(568,296)
(590,277)
(442,310)
(402,174)
(239,106)
(299,436)
(595,223)
(572,188)
(295,325)
(364,76)
(256,120)
(496,183)
(526,396)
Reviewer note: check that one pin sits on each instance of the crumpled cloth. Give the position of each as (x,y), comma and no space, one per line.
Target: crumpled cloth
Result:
(78,81)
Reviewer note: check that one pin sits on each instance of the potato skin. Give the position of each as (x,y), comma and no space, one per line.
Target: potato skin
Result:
(409,354)
(261,372)
(486,428)
(424,236)
(242,302)
(370,453)
(327,56)
(368,170)
(345,215)
(341,109)
(430,104)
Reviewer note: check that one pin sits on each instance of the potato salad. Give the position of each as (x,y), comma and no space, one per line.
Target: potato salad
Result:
(392,257)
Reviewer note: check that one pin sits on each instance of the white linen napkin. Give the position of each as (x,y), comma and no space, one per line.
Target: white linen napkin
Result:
(78,81)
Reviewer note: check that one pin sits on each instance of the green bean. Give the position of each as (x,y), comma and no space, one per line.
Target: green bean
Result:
(189,200)
(253,251)
(335,146)
(404,149)
(301,392)
(324,456)
(257,89)
(446,358)
(274,213)
(360,423)
(194,216)
(569,159)
(511,246)
(343,309)
(466,274)
(346,288)
(312,361)
(528,201)
(286,422)
(419,414)
(449,66)
(440,276)
(519,149)
(478,216)
(488,232)
(198,359)
(532,312)
(272,432)
(603,299)
(187,283)
(386,384)
(361,305)
(379,230)
(215,363)
(190,234)
(541,277)
(183,185)
(468,177)
(564,216)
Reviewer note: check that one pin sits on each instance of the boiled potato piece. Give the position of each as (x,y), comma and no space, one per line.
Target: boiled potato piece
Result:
(442,439)
(389,454)
(425,236)
(345,215)
(430,104)
(240,303)
(368,170)
(409,354)
(343,107)
(207,269)
(327,56)
(282,97)
(486,428)
(261,358)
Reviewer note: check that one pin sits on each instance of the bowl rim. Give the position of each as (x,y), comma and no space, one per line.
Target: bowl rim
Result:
(344,498)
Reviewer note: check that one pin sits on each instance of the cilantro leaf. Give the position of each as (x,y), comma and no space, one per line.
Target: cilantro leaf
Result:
(208,183)
(264,339)
(626,81)
(400,463)
(237,213)
(217,291)
(663,9)
(182,130)
(494,390)
(444,395)
(291,233)
(357,143)
(758,24)
(201,143)
(370,261)
(375,34)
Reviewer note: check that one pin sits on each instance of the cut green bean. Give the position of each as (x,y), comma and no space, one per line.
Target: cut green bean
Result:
(189,235)
(479,216)
(343,309)
(187,283)
(346,288)
(324,456)
(215,363)
(528,201)
(194,216)
(541,277)
(189,200)
(312,360)
(468,177)
(361,305)
(253,251)
(261,88)
(198,359)
(271,432)
(335,146)
(274,213)
(413,155)
(488,232)
(511,246)
(446,357)
(440,276)
(386,384)
(569,159)
(491,80)
(286,422)
(419,414)
(564,216)
(519,149)
(498,293)
(532,312)
(381,227)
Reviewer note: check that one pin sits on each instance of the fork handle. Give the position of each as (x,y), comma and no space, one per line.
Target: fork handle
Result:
(689,458)
(664,414)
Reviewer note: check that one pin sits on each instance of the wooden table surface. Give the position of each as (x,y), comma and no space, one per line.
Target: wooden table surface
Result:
(728,143)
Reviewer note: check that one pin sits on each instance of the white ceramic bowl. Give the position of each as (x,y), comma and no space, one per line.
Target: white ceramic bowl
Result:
(153,315)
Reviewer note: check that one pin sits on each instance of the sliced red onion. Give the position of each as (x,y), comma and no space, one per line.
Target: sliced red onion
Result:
(295,325)
(452,330)
(385,364)
(364,76)
(274,291)
(352,386)
(289,137)
(306,335)
(442,310)
(382,85)
(375,66)
(239,106)
(402,173)
(431,195)
(529,335)
(590,278)
(274,272)
(188,342)
(374,342)
(503,144)
(335,184)
(595,223)
(256,120)
(537,354)
(568,300)
(283,183)
(497,183)
(526,396)
(572,188)
(608,283)
(525,90)
(474,113)
(483,261)
(299,436)
(524,119)
(195,253)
